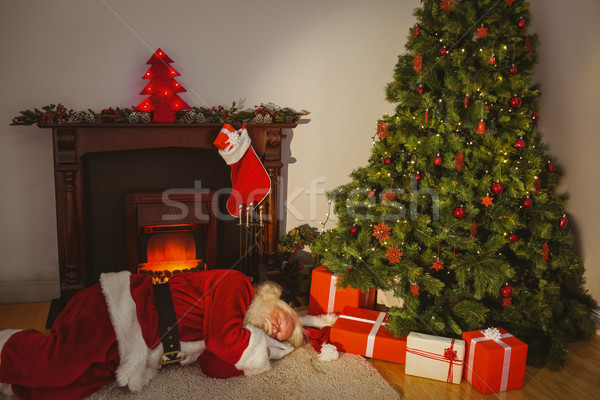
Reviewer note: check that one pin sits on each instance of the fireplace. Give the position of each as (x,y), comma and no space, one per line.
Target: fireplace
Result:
(169,233)
(89,240)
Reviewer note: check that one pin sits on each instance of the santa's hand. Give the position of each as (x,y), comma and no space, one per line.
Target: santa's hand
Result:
(277,349)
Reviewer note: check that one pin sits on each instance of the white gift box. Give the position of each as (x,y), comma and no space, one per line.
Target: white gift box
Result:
(435,357)
(386,298)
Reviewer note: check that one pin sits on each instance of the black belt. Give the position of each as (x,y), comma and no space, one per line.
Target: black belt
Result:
(167,324)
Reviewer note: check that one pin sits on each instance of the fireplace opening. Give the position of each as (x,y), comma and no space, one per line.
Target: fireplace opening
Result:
(166,236)
(171,249)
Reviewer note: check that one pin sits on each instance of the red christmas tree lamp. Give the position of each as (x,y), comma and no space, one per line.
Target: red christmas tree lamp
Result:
(162,88)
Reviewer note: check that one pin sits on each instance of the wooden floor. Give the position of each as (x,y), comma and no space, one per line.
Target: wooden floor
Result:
(579,379)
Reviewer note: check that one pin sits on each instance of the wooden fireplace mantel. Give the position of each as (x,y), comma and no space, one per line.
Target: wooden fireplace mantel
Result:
(72,141)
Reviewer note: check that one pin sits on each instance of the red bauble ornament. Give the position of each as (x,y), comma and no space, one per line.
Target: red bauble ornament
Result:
(515,102)
(438,160)
(520,144)
(443,51)
(513,238)
(522,23)
(353,230)
(506,291)
(387,160)
(349,269)
(417,177)
(551,167)
(497,188)
(420,90)
(492,59)
(527,203)
(512,70)
(459,212)
(563,222)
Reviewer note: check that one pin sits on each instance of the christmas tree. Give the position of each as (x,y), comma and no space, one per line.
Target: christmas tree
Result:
(457,210)
(162,88)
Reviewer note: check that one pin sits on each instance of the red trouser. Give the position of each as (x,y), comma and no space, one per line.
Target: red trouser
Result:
(78,356)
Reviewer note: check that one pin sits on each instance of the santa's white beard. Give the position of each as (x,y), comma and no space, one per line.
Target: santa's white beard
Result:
(268,328)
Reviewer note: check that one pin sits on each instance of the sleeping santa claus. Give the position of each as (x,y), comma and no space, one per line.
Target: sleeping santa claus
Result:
(112,331)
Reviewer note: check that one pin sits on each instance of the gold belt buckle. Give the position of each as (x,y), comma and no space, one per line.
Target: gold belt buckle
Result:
(170,353)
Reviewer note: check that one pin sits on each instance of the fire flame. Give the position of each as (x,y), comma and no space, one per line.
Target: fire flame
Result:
(171,251)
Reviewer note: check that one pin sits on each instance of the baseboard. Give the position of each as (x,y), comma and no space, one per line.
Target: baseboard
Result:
(28,292)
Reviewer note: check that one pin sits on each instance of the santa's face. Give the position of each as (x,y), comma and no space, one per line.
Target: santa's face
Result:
(280,325)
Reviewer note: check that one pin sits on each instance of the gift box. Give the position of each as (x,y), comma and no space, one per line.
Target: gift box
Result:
(495,360)
(326,298)
(387,299)
(361,331)
(435,357)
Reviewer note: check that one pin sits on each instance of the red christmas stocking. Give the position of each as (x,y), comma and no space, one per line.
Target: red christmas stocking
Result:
(250,182)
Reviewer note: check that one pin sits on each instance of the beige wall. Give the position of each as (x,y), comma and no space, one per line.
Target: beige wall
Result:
(568,73)
(332,57)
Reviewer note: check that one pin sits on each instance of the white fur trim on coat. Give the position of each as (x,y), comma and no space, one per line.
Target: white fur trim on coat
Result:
(319,321)
(255,359)
(240,147)
(133,370)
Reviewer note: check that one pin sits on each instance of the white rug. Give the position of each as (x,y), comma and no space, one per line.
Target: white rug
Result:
(300,375)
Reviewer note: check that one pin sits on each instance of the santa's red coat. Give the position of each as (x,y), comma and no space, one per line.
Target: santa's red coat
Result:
(110,331)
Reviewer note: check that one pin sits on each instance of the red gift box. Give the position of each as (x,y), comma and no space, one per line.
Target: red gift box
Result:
(495,360)
(360,331)
(326,298)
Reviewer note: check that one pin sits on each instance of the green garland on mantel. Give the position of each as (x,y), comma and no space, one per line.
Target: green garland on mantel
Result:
(58,113)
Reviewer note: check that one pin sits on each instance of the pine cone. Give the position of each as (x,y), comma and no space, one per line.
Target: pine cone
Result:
(200,118)
(77,117)
(133,118)
(144,117)
(189,117)
(89,118)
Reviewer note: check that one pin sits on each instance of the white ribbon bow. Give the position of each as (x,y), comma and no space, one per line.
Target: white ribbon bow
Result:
(492,333)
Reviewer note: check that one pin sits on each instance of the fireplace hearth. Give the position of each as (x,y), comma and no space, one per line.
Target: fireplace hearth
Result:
(84,236)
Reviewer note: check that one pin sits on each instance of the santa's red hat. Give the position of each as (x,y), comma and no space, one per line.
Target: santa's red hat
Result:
(317,328)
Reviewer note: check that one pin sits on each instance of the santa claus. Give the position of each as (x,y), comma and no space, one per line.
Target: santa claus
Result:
(110,332)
